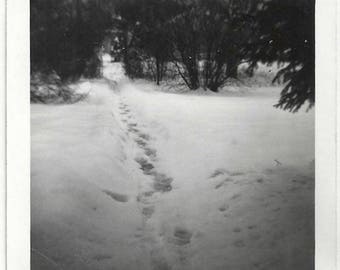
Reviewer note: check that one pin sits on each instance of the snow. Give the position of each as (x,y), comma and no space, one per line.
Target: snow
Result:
(77,155)
(135,178)
(83,87)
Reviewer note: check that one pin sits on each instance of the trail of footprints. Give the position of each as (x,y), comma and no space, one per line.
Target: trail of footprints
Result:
(224,178)
(161,182)
(231,177)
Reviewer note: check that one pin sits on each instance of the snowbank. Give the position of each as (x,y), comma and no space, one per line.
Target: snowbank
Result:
(48,88)
(243,178)
(84,211)
(134,178)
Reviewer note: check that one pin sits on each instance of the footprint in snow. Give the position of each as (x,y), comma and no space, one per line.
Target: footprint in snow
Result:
(160,264)
(251,227)
(124,108)
(132,129)
(228,179)
(223,208)
(237,230)
(142,199)
(259,180)
(144,136)
(148,211)
(150,152)
(235,196)
(145,165)
(218,172)
(162,182)
(236,173)
(140,142)
(219,185)
(148,193)
(101,257)
(131,125)
(116,196)
(222,171)
(239,243)
(182,236)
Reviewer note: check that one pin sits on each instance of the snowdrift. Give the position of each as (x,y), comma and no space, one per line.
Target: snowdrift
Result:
(82,196)
(135,178)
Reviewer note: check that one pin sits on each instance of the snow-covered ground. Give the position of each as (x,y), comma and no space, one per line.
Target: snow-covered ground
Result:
(134,178)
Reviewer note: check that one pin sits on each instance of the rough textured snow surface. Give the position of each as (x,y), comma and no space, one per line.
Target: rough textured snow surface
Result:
(133,178)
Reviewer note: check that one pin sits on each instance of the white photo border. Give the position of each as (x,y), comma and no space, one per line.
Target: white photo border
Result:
(18,135)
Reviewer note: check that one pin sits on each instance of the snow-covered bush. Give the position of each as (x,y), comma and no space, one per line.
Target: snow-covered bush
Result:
(48,88)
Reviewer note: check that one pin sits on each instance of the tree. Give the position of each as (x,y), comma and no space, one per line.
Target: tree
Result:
(185,37)
(239,32)
(219,45)
(127,21)
(285,31)
(210,38)
(153,37)
(65,35)
(206,40)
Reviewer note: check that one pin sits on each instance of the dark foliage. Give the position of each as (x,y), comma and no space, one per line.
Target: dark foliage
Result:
(142,28)
(200,41)
(186,34)
(65,35)
(285,31)
(185,38)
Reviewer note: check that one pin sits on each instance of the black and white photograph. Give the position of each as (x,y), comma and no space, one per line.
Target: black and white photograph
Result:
(172,135)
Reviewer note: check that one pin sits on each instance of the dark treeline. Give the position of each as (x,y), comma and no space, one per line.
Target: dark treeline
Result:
(202,42)
(66,36)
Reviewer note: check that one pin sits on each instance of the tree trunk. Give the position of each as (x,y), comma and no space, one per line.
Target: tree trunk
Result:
(232,65)
(213,87)
(158,71)
(125,53)
(193,77)
(162,70)
(193,73)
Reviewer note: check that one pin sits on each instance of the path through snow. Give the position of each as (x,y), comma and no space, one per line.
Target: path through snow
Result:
(133,178)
